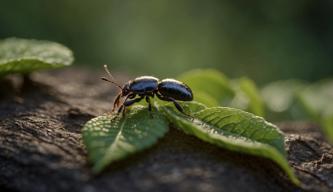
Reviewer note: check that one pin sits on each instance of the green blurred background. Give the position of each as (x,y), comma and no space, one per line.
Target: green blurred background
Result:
(264,40)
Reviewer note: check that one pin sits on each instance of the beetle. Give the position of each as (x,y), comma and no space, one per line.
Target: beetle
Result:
(146,87)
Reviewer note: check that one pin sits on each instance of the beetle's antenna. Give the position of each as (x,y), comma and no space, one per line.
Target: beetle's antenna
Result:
(107,71)
(111,77)
(108,80)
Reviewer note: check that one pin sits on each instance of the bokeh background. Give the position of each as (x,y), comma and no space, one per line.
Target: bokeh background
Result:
(264,40)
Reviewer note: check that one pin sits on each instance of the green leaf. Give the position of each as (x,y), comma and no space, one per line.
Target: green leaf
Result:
(24,56)
(112,137)
(248,97)
(235,130)
(316,100)
(210,85)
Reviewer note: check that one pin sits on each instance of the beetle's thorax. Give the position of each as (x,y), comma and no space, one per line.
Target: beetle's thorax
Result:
(143,84)
(146,77)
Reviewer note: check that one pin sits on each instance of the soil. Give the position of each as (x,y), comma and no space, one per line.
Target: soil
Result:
(41,147)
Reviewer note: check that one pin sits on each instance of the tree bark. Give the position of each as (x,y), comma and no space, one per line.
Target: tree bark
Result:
(41,147)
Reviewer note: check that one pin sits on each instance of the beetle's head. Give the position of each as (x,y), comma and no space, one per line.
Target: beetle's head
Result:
(125,90)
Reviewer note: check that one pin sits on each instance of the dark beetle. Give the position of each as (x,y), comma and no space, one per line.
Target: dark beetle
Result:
(148,86)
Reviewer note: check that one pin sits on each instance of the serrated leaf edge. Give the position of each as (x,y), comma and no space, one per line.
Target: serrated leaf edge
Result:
(266,150)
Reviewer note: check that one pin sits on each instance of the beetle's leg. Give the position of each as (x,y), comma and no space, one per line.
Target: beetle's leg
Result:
(180,108)
(149,106)
(131,96)
(160,96)
(149,103)
(175,102)
(116,102)
(152,94)
(163,97)
(129,103)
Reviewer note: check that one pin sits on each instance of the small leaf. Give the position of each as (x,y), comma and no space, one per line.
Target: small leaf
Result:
(280,100)
(110,138)
(235,130)
(248,97)
(279,95)
(24,56)
(316,100)
(210,82)
(327,126)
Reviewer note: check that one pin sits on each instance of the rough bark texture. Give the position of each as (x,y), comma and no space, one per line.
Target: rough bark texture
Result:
(41,147)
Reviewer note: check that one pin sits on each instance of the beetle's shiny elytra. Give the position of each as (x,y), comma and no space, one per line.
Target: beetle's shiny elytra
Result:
(147,87)
(175,89)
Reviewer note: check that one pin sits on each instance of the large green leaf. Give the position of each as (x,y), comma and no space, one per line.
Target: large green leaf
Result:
(316,100)
(248,97)
(211,86)
(235,130)
(24,56)
(112,137)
